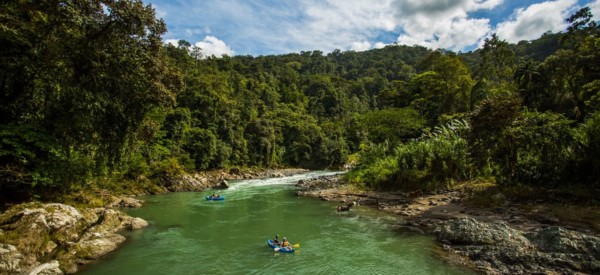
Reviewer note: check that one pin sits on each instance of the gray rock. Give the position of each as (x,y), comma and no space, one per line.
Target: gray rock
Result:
(557,239)
(61,215)
(186,183)
(472,232)
(497,249)
(10,259)
(37,232)
(94,248)
(138,223)
(127,202)
(223,184)
(49,268)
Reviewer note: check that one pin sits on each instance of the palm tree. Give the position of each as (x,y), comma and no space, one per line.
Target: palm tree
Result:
(527,71)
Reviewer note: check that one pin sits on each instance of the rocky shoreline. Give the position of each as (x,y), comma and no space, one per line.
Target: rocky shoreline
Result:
(54,238)
(51,238)
(499,240)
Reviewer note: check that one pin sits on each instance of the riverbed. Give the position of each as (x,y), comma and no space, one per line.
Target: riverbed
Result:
(190,235)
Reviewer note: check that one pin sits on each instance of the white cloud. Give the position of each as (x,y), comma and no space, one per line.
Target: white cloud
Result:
(531,22)
(360,46)
(379,45)
(213,46)
(197,31)
(595,7)
(160,13)
(442,24)
(338,24)
(273,27)
(173,42)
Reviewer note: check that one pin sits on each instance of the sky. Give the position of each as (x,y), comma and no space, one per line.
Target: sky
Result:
(265,27)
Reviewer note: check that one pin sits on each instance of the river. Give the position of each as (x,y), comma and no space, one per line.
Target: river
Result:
(190,235)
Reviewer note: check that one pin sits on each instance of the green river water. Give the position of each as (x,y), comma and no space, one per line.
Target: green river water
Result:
(190,235)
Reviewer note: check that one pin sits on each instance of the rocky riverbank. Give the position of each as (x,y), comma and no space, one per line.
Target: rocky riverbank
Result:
(54,238)
(211,179)
(51,238)
(509,238)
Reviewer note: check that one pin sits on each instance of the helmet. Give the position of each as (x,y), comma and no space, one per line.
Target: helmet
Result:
(284,238)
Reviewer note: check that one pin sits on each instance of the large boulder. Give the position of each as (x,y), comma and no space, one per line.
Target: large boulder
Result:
(185,183)
(560,240)
(138,223)
(471,232)
(10,259)
(126,202)
(223,185)
(497,249)
(49,268)
(33,233)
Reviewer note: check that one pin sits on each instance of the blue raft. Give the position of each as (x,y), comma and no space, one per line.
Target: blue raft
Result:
(211,198)
(288,249)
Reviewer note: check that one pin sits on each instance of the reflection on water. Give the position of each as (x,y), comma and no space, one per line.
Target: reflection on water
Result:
(190,235)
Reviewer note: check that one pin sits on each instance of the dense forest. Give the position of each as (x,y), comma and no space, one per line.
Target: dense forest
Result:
(91,98)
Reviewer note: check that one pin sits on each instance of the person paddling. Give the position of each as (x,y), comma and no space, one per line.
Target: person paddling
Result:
(285,244)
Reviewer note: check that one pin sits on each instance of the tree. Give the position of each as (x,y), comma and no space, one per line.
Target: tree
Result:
(527,75)
(393,125)
(497,65)
(83,73)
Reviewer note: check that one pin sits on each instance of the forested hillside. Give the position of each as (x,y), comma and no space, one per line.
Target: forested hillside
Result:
(91,97)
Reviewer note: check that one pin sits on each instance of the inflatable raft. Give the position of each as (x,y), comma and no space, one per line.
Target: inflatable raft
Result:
(288,249)
(211,198)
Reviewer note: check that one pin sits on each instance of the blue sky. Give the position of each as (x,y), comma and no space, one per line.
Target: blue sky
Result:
(262,27)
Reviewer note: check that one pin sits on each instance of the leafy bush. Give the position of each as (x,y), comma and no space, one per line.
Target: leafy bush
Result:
(436,160)
(587,152)
(535,149)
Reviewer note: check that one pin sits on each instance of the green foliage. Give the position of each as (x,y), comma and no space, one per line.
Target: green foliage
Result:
(393,125)
(497,63)
(587,153)
(83,74)
(535,149)
(90,92)
(436,160)
(488,121)
(202,147)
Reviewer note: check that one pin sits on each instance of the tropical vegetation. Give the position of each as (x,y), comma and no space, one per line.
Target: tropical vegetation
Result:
(92,98)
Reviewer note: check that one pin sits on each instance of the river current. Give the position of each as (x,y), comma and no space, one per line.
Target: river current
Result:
(190,235)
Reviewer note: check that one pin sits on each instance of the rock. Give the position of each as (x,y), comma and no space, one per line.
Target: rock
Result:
(557,239)
(61,215)
(127,202)
(10,259)
(471,232)
(138,223)
(33,233)
(235,171)
(94,248)
(186,182)
(223,184)
(49,268)
(497,249)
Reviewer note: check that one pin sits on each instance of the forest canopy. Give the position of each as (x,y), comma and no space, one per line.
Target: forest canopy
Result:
(89,91)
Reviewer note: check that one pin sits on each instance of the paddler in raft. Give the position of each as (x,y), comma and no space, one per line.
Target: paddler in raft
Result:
(285,244)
